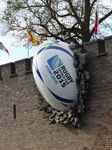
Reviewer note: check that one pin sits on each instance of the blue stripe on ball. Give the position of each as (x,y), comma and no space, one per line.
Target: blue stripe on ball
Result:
(60,98)
(56,48)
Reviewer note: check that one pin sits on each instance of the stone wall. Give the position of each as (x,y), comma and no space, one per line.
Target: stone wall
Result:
(24,127)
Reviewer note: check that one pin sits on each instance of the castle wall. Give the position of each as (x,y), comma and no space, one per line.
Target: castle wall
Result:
(24,127)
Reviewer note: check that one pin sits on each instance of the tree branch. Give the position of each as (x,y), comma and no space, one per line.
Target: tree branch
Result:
(105,17)
(93,4)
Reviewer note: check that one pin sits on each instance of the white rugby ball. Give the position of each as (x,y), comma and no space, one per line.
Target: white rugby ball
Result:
(55,75)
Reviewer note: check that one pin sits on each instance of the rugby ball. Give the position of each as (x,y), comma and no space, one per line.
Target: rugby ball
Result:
(55,75)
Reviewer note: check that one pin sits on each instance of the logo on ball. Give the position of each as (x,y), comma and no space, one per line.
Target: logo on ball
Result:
(55,62)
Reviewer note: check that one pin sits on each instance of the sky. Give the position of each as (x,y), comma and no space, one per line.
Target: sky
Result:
(17,53)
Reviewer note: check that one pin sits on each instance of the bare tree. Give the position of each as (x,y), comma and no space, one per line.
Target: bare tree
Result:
(67,20)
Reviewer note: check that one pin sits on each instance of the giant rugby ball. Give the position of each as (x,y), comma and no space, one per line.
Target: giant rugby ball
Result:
(55,75)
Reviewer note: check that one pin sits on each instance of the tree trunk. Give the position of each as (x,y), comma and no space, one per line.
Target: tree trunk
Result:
(86,34)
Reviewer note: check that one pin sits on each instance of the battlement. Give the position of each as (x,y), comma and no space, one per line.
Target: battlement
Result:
(96,48)
(99,47)
(18,68)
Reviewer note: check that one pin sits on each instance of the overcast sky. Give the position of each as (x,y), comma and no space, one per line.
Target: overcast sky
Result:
(16,53)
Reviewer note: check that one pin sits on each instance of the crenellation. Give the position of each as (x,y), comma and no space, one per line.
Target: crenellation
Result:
(5,71)
(28,65)
(20,66)
(13,70)
(101,48)
(17,68)
(108,44)
(98,47)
